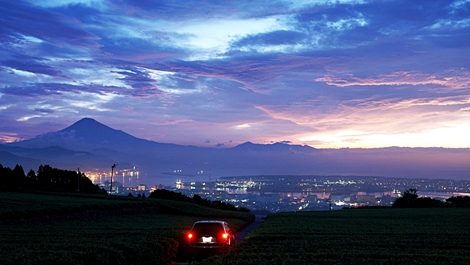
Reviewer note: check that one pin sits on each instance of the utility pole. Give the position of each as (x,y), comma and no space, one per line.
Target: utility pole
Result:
(79,177)
(112,173)
(210,180)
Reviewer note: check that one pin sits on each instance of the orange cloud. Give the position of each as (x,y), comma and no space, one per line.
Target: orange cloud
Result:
(6,137)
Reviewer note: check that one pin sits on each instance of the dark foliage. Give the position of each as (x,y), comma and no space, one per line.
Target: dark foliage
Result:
(459,201)
(12,179)
(410,200)
(406,200)
(176,196)
(169,195)
(47,178)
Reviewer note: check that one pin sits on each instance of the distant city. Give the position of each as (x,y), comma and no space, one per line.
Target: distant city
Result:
(288,193)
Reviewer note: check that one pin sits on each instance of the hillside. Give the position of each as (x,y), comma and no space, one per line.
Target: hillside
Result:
(54,228)
(42,206)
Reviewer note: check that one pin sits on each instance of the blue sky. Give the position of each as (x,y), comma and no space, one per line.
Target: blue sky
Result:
(328,74)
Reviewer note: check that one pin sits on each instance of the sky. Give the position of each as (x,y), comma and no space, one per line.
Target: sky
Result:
(328,74)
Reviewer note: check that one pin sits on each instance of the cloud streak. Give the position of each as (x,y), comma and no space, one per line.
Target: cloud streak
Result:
(452,79)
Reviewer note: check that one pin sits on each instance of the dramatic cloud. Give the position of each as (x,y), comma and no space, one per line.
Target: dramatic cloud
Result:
(344,73)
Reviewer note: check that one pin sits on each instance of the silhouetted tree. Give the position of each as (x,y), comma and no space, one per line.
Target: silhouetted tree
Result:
(18,172)
(410,200)
(31,175)
(44,176)
(406,200)
(459,201)
(6,178)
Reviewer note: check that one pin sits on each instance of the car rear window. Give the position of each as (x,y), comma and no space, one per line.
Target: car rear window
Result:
(207,228)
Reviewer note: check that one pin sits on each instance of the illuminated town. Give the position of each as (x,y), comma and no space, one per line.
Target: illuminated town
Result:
(288,193)
(311,193)
(117,181)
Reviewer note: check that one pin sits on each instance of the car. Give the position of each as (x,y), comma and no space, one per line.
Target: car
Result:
(210,234)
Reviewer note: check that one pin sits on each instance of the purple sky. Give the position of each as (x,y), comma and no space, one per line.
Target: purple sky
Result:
(328,74)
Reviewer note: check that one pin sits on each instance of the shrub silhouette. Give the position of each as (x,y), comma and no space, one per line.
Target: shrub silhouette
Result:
(410,200)
(176,196)
(459,201)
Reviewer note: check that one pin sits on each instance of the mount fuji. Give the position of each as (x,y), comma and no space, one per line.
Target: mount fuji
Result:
(89,144)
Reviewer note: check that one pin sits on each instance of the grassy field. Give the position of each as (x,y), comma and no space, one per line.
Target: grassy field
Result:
(60,229)
(357,236)
(27,206)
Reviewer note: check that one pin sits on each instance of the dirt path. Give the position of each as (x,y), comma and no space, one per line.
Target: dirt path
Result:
(239,237)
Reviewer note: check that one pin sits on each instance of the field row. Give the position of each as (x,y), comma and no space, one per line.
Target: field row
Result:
(24,206)
(366,236)
(109,239)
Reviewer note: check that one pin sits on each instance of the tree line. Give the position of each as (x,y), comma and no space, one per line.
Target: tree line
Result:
(53,179)
(45,179)
(196,199)
(410,199)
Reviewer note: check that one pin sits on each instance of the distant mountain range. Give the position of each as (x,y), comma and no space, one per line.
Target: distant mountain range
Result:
(88,144)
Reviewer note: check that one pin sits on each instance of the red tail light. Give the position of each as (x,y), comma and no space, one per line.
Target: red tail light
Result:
(224,235)
(190,236)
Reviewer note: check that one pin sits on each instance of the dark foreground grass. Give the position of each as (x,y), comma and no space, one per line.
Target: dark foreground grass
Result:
(19,207)
(357,236)
(58,229)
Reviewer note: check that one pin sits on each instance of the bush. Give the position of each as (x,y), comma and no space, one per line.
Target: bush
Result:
(459,201)
(410,200)
(176,196)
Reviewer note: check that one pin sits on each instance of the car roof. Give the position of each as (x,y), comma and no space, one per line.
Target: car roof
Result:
(211,221)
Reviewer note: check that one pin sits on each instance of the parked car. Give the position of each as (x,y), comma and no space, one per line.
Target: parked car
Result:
(210,234)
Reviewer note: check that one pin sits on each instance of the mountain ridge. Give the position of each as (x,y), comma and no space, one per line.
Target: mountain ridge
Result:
(90,144)
(89,131)
(86,128)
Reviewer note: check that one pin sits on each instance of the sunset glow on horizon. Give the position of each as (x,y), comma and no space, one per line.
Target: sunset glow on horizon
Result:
(342,74)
